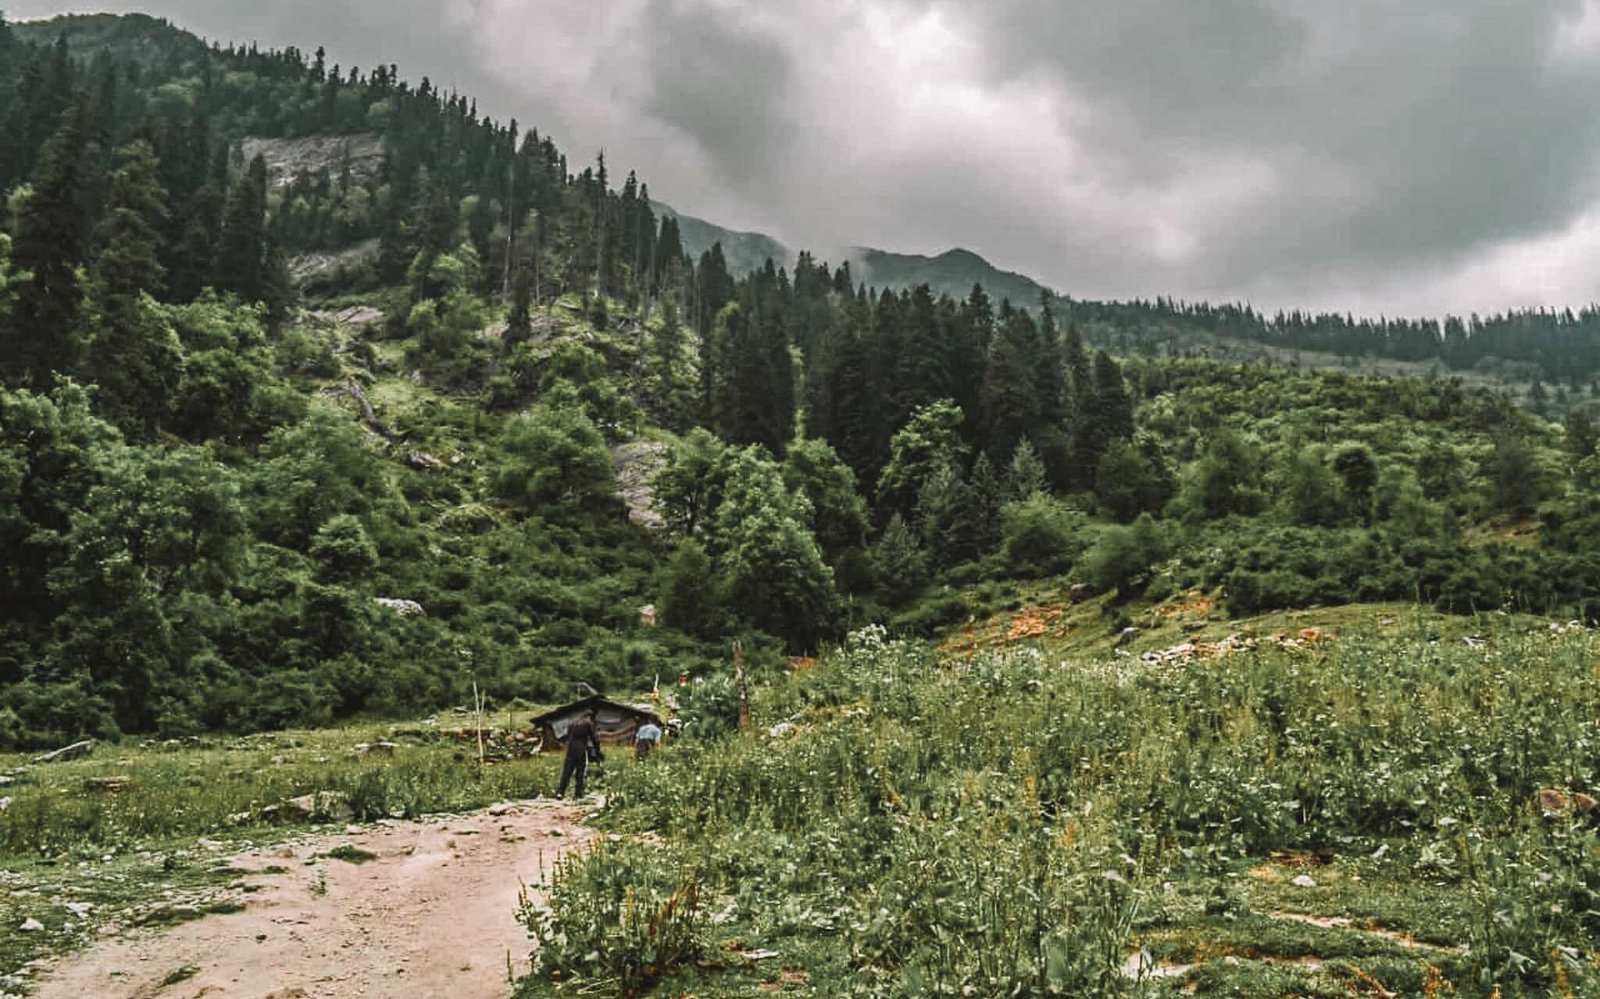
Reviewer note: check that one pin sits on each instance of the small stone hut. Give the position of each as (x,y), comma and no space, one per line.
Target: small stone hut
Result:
(614,722)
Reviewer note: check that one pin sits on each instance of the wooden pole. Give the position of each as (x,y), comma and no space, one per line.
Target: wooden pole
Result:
(477,707)
(738,682)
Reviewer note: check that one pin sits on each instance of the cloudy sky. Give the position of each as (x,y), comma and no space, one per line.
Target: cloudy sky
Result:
(1364,155)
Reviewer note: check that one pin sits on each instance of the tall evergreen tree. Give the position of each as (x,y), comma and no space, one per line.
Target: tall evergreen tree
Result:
(44,94)
(134,355)
(8,70)
(1011,406)
(52,229)
(753,396)
(129,233)
(241,253)
(846,405)
(666,265)
(1102,413)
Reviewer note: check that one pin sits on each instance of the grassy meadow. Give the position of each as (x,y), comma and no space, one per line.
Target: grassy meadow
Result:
(1355,816)
(1022,810)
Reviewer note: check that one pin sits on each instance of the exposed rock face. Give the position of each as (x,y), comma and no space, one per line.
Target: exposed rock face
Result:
(405,608)
(287,158)
(354,316)
(636,463)
(306,266)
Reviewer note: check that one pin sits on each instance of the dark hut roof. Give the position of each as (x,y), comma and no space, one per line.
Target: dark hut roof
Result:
(596,703)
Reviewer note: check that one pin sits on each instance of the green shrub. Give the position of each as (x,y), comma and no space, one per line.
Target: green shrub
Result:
(618,918)
(1041,535)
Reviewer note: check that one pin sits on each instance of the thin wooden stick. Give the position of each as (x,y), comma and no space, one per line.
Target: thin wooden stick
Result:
(738,679)
(477,706)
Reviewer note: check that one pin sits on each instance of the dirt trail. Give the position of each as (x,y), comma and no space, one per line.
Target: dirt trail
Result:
(432,916)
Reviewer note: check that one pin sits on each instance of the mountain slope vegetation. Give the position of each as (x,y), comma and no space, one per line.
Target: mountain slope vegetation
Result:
(235,500)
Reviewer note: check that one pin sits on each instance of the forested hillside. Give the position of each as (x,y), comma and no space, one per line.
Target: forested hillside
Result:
(1547,358)
(231,497)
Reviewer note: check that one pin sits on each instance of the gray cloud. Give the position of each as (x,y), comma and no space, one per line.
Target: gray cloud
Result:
(723,85)
(1410,136)
(1363,155)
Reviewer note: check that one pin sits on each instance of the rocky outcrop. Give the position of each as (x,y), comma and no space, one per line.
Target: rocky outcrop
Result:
(362,154)
(636,463)
(320,263)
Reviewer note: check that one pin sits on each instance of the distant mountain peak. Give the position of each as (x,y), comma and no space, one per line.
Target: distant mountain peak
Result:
(952,272)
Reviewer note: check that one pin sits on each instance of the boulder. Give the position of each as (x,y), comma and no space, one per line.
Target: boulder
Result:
(1555,804)
(405,608)
(1552,803)
(321,806)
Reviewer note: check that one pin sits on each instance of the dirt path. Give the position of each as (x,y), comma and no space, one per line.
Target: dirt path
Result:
(431,916)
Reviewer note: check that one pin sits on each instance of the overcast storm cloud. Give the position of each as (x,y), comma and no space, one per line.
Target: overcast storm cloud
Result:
(1436,155)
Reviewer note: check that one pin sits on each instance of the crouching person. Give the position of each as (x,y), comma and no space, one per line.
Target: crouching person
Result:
(645,739)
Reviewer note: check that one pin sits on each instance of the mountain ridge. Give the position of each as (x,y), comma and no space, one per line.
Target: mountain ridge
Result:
(953,271)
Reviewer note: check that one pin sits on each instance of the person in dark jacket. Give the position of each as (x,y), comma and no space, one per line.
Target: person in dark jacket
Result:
(583,745)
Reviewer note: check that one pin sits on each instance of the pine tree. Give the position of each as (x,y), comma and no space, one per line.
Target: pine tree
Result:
(753,387)
(1025,475)
(195,177)
(713,290)
(846,405)
(129,234)
(519,322)
(43,96)
(1012,408)
(134,356)
(1113,407)
(1582,435)
(973,334)
(51,231)
(277,286)
(926,363)
(241,253)
(1050,378)
(666,265)
(8,68)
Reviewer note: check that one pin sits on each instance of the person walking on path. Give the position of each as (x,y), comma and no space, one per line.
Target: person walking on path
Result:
(645,739)
(583,744)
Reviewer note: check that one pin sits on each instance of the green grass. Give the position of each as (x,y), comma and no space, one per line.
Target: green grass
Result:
(1352,817)
(177,975)
(350,854)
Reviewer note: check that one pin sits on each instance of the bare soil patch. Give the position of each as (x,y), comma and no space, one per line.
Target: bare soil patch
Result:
(432,914)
